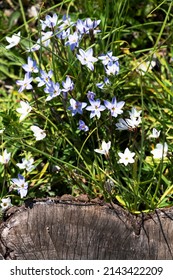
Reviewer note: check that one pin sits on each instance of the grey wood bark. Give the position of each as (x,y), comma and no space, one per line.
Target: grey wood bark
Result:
(69,229)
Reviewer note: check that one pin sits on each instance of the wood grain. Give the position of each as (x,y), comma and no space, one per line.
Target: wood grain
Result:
(73,230)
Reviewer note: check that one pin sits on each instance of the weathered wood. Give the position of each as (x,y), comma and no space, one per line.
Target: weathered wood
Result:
(63,229)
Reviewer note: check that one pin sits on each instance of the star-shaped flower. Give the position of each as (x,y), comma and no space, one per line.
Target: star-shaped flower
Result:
(21,185)
(126,157)
(114,106)
(76,106)
(95,108)
(87,58)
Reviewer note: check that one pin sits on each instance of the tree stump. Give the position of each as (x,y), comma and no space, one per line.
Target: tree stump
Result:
(69,229)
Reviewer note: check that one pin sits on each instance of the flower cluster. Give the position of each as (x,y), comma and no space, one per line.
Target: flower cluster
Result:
(56,103)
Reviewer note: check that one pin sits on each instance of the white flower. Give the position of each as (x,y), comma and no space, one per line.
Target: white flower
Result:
(131,123)
(155,133)
(26,164)
(2,130)
(160,151)
(38,132)
(146,66)
(87,58)
(5,203)
(104,148)
(24,110)
(126,157)
(4,159)
(134,114)
(13,41)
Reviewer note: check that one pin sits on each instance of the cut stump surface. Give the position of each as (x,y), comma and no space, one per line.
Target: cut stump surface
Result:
(69,229)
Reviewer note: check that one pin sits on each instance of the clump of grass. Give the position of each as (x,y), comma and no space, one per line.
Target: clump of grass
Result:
(86,102)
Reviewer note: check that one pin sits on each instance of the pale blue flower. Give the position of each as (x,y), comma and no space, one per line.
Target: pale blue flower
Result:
(49,21)
(76,106)
(91,95)
(31,66)
(105,147)
(53,89)
(45,78)
(81,27)
(5,203)
(21,185)
(155,133)
(107,58)
(114,107)
(5,158)
(68,85)
(45,39)
(73,41)
(90,25)
(87,58)
(63,34)
(160,151)
(112,68)
(65,23)
(26,83)
(83,126)
(38,132)
(102,84)
(95,108)
(24,110)
(85,26)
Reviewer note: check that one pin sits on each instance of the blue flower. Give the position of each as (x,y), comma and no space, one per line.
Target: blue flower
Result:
(63,34)
(102,84)
(83,126)
(49,21)
(53,89)
(76,106)
(21,185)
(45,78)
(26,83)
(114,106)
(95,108)
(31,66)
(65,23)
(73,41)
(68,85)
(107,58)
(112,68)
(85,26)
(91,95)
